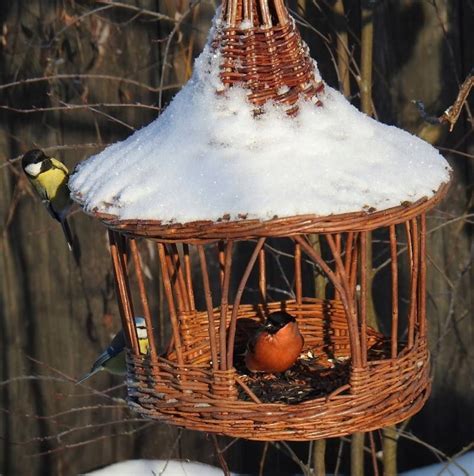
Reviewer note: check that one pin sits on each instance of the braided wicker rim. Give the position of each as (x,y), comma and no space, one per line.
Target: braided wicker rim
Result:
(244,229)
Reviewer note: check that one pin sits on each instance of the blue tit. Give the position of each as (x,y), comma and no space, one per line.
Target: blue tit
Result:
(49,178)
(142,335)
(113,358)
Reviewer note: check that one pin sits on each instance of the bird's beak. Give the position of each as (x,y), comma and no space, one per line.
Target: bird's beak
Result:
(46,165)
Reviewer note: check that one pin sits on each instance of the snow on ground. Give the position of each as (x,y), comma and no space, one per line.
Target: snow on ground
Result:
(207,156)
(464,466)
(143,467)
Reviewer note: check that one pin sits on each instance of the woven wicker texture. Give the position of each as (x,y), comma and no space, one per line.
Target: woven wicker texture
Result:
(358,379)
(193,396)
(262,50)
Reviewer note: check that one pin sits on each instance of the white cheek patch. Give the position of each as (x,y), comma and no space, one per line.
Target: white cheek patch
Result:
(141,333)
(33,169)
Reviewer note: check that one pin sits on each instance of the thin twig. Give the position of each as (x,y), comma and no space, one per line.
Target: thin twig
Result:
(220,458)
(140,11)
(305,469)
(75,107)
(75,77)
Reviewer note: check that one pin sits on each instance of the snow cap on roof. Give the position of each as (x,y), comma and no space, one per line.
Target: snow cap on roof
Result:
(208,156)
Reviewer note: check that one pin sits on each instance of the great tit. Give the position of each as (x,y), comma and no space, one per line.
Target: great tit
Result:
(49,178)
(276,346)
(113,358)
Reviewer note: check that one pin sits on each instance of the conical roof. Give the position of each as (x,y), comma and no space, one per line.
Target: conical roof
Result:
(261,50)
(256,135)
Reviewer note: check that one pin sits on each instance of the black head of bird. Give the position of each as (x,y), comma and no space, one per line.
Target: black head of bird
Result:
(277,320)
(35,162)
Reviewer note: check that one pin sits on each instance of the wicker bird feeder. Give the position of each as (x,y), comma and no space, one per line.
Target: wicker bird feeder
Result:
(359,379)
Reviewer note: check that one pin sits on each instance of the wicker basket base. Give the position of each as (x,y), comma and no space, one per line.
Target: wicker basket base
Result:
(193,396)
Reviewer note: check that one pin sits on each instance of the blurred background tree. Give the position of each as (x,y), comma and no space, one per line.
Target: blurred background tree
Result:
(76,76)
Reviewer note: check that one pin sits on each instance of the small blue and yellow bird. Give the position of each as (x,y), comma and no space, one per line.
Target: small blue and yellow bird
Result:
(49,178)
(113,358)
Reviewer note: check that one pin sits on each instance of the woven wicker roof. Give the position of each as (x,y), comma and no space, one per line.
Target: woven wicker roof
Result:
(262,51)
(245,160)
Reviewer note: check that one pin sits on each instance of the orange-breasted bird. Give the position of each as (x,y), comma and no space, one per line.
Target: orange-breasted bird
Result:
(276,346)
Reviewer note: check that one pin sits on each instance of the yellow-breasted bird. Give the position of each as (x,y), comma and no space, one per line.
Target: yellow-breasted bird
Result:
(49,178)
(113,358)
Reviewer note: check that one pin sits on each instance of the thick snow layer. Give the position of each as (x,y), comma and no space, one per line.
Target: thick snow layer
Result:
(144,467)
(207,156)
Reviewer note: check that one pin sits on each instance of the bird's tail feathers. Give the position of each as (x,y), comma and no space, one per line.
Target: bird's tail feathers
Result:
(99,363)
(88,374)
(72,245)
(67,234)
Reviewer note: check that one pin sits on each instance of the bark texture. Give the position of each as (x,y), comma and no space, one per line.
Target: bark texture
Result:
(56,318)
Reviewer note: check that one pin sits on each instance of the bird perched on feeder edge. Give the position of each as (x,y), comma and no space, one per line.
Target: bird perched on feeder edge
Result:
(276,346)
(49,178)
(113,358)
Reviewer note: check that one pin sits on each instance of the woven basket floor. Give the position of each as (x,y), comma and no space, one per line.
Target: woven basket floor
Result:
(193,396)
